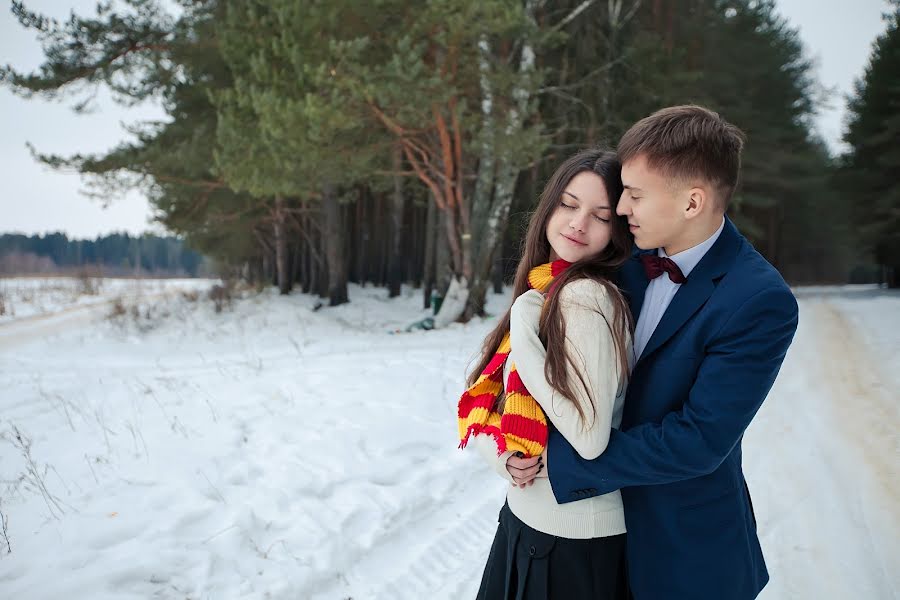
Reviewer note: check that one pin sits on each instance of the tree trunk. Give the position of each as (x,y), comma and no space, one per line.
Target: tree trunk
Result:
(381,238)
(281,249)
(453,241)
(362,242)
(334,247)
(296,260)
(322,247)
(498,270)
(443,269)
(452,286)
(398,205)
(454,303)
(412,246)
(313,272)
(306,248)
(351,227)
(428,271)
(318,274)
(303,258)
(347,238)
(495,218)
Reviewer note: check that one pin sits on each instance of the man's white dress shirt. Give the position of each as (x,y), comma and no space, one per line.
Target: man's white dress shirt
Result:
(661,290)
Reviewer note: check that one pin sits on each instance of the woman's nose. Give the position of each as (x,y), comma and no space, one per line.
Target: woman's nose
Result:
(577,222)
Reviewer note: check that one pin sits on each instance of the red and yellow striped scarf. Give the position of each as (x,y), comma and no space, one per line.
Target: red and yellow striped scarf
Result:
(523,426)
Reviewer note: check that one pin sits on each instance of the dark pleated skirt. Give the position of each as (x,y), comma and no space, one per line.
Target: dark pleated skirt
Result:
(526,564)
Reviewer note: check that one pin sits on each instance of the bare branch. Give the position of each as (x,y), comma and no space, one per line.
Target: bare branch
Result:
(33,475)
(572,15)
(630,13)
(4,528)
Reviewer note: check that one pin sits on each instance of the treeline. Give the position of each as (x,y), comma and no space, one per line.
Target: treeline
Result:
(313,144)
(112,255)
(869,174)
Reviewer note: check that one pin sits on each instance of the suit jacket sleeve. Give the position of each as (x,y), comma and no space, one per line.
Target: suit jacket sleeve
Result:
(734,378)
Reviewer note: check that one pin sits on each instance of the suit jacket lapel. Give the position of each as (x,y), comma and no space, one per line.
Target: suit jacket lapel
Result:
(634,282)
(697,289)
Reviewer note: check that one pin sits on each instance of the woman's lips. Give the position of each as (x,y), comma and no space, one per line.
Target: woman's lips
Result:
(576,242)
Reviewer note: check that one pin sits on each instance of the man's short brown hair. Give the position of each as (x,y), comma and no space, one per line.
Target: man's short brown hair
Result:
(688,143)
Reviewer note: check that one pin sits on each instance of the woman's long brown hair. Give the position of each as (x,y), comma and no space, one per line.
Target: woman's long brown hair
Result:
(600,268)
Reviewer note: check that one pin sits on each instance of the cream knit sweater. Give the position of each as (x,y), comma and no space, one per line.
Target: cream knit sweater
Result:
(589,343)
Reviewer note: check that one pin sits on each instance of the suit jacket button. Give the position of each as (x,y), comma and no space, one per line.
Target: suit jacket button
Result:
(531,551)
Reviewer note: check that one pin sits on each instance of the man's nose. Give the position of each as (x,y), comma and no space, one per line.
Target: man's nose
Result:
(623,208)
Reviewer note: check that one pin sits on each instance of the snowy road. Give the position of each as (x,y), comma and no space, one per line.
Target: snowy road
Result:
(275,452)
(22,331)
(821,457)
(53,304)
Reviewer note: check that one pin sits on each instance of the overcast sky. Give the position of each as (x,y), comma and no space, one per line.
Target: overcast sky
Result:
(838,34)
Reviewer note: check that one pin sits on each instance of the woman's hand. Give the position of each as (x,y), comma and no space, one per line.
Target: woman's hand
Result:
(542,472)
(524,470)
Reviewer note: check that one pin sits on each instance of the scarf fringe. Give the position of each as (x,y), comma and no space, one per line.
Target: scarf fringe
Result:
(479,428)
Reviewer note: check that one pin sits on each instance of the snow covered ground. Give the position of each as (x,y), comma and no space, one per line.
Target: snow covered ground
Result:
(277,451)
(42,296)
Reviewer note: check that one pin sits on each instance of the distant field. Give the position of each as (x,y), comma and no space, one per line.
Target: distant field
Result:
(23,297)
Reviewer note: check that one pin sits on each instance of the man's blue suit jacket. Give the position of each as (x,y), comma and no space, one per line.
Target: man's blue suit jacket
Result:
(677,457)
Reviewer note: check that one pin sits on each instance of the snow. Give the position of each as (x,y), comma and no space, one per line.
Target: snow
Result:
(821,455)
(275,450)
(44,296)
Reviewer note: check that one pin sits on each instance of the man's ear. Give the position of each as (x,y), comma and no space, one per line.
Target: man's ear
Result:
(699,201)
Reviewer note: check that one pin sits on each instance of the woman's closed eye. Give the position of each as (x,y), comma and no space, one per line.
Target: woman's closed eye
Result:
(570,207)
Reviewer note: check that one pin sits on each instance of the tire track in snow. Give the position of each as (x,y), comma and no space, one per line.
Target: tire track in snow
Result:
(452,561)
(437,554)
(868,417)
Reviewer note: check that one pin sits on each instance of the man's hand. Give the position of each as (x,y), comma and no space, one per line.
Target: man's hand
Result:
(524,470)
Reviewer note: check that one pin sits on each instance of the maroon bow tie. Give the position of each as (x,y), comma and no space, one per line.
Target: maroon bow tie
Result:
(655,266)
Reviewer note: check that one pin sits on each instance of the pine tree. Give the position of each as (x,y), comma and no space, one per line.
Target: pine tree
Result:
(285,130)
(869,174)
(452,83)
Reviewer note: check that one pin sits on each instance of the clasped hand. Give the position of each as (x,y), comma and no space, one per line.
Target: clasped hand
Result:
(525,470)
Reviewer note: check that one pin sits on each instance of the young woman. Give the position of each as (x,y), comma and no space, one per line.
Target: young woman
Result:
(560,354)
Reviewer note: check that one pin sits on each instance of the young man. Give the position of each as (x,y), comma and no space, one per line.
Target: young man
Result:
(714,321)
